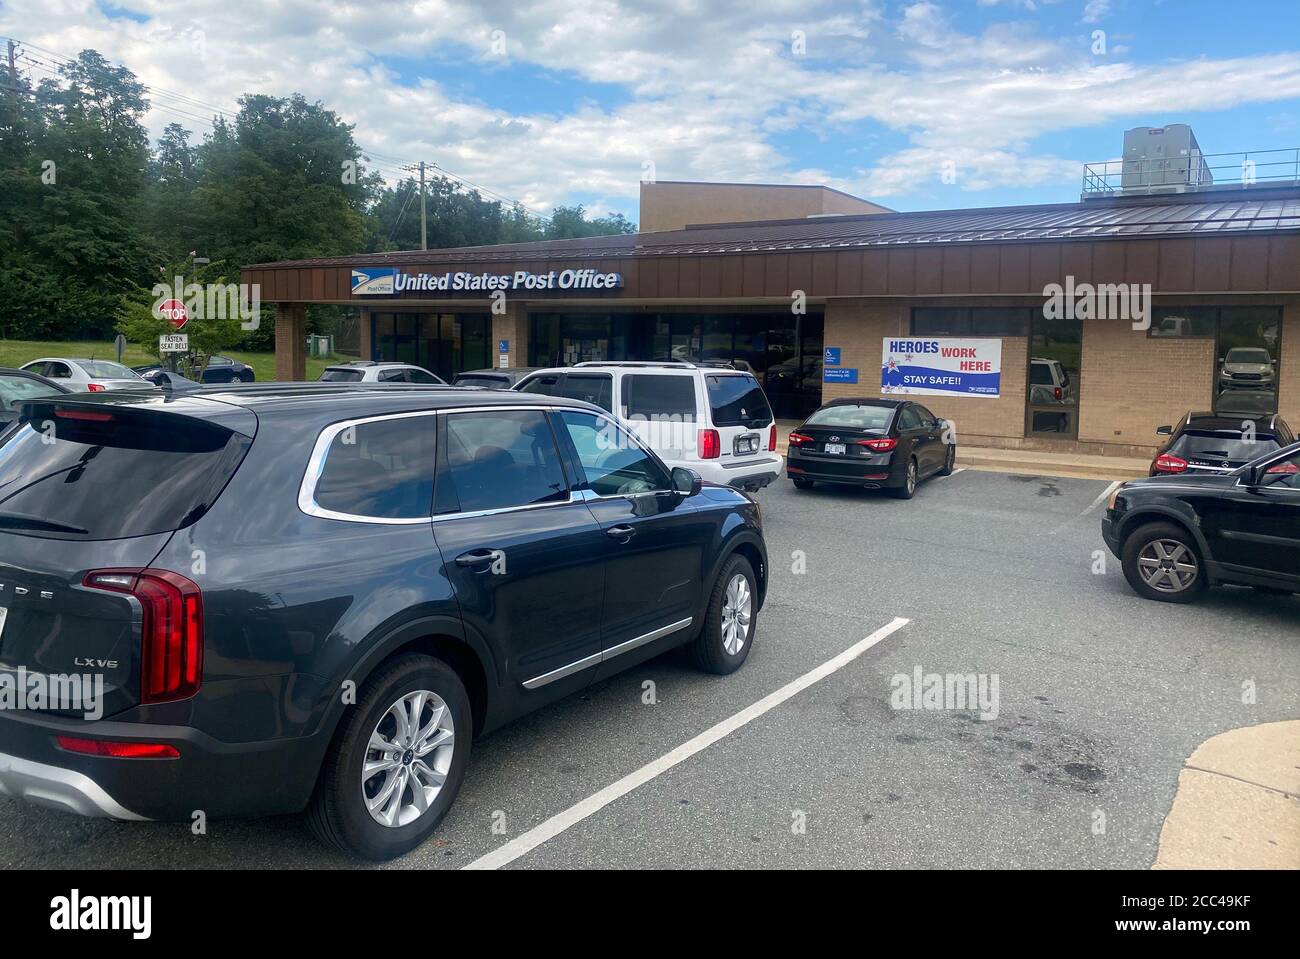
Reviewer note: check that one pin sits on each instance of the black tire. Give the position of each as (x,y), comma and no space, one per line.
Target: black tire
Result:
(337,814)
(708,650)
(910,479)
(1167,590)
(801,483)
(949,461)
(246,377)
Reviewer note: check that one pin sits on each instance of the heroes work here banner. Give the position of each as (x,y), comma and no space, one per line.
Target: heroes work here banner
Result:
(941,366)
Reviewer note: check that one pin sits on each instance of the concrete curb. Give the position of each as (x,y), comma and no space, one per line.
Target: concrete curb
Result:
(1238,803)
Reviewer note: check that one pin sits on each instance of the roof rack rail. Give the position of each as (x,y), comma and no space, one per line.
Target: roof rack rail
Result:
(660,364)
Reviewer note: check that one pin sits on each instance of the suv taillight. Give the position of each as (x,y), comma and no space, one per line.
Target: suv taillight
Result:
(1058,393)
(771,439)
(95,388)
(710,445)
(1168,463)
(171,647)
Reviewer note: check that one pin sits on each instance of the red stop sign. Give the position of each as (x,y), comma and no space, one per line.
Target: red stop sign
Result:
(174,310)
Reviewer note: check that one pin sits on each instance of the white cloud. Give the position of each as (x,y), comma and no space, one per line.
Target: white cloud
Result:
(704,90)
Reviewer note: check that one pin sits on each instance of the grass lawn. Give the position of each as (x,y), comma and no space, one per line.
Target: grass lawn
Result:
(14,353)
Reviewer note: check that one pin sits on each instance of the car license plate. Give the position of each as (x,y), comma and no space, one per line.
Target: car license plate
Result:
(835,448)
(746,444)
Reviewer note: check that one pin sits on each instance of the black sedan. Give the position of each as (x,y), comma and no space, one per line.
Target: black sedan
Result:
(873,444)
(1176,536)
(1218,442)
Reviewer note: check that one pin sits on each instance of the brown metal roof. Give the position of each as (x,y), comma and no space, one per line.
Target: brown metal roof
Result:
(1252,212)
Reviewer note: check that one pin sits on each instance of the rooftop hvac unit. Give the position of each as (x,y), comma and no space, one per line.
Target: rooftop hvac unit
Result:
(1163,160)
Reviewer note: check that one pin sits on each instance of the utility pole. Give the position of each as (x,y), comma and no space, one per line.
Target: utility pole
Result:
(424,222)
(13,69)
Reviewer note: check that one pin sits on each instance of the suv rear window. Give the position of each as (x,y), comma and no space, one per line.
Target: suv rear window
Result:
(1232,447)
(382,469)
(487,382)
(738,401)
(341,376)
(652,395)
(100,474)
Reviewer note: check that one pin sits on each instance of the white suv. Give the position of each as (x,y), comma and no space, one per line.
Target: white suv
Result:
(711,418)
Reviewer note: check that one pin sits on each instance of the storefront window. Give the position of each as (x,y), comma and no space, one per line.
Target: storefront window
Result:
(443,343)
(972,321)
(783,350)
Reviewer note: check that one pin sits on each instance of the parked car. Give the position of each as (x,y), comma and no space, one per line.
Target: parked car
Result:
(872,444)
(1176,537)
(17,386)
(1247,368)
(493,378)
(388,573)
(167,380)
(1054,378)
(93,376)
(374,371)
(220,369)
(1209,443)
(709,418)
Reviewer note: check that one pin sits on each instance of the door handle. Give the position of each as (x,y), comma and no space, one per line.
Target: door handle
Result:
(623,533)
(476,557)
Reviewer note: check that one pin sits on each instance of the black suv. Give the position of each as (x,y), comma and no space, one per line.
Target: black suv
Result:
(1218,442)
(315,596)
(1178,534)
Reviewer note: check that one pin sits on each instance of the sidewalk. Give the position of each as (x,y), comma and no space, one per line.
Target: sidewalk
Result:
(1024,462)
(1238,803)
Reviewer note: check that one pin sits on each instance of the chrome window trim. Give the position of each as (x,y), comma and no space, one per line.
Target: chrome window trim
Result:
(316,465)
(606,654)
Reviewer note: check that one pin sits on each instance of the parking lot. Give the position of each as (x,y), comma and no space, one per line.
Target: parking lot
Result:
(1101,696)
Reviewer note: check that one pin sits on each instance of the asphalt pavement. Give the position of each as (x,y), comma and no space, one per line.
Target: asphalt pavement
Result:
(1101,696)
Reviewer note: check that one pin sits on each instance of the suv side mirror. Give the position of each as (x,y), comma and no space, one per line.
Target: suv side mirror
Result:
(1164,430)
(686,481)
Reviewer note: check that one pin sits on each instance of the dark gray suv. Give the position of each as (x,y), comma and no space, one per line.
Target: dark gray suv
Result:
(316,596)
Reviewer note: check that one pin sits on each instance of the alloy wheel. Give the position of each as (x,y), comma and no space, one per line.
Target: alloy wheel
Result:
(407,758)
(736,612)
(1167,565)
(911,477)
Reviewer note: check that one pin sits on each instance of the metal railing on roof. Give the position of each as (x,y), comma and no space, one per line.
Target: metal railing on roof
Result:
(1190,172)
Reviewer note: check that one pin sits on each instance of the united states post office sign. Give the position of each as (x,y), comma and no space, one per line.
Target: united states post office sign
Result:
(390,281)
(941,366)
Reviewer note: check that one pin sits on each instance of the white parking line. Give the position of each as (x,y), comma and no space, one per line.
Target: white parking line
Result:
(959,469)
(1102,498)
(521,845)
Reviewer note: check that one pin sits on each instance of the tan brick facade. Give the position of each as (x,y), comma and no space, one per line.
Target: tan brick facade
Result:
(512,325)
(858,328)
(1130,382)
(1288,400)
(290,342)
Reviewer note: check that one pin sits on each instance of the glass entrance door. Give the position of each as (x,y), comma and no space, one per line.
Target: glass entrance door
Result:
(1246,367)
(1052,395)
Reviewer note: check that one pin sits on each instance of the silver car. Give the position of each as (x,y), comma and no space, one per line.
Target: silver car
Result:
(88,376)
(1246,368)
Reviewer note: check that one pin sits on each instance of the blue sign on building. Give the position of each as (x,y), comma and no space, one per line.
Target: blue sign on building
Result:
(503,346)
(832,356)
(841,374)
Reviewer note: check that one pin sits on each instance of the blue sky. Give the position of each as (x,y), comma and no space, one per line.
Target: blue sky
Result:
(562,101)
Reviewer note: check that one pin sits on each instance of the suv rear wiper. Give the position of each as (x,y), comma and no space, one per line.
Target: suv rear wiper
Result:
(23,521)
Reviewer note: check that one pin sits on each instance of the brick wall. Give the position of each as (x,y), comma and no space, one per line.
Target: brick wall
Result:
(1289,364)
(512,325)
(1130,383)
(365,342)
(290,342)
(858,327)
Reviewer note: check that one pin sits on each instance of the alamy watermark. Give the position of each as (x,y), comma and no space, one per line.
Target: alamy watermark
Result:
(948,691)
(65,692)
(1101,301)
